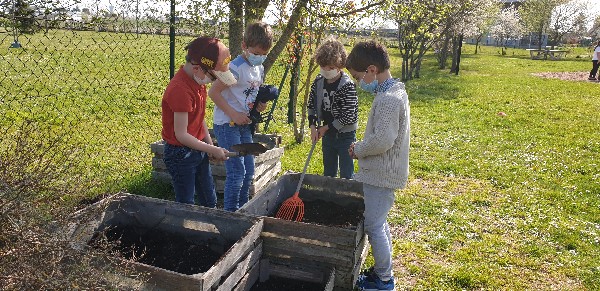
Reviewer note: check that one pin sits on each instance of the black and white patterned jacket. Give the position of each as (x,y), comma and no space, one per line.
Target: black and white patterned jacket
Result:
(344,104)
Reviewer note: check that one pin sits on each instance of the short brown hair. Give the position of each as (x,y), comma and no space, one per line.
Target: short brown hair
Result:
(366,53)
(259,34)
(331,52)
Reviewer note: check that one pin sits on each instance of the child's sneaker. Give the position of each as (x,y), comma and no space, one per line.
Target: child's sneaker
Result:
(371,282)
(591,78)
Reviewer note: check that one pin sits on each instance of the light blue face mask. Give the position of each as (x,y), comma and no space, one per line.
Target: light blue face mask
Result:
(368,87)
(256,60)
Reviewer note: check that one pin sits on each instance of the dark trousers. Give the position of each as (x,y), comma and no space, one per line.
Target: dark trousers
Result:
(594,70)
(335,149)
(191,175)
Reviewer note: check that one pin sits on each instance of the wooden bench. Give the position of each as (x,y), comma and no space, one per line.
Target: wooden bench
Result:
(537,54)
(556,54)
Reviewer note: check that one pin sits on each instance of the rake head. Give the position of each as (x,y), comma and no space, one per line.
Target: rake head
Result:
(291,209)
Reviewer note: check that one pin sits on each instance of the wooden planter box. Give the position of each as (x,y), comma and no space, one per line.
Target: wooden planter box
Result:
(237,236)
(341,248)
(267,165)
(255,270)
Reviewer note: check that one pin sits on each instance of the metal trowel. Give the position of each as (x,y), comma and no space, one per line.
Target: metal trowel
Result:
(243,149)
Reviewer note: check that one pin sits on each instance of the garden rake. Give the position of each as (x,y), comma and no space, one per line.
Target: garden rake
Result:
(293,206)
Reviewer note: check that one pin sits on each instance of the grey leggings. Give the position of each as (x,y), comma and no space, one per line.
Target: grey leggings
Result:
(378,202)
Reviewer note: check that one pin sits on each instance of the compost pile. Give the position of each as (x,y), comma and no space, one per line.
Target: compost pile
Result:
(330,214)
(159,248)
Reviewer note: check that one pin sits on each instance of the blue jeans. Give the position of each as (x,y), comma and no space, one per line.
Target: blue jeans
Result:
(335,148)
(378,202)
(191,175)
(239,170)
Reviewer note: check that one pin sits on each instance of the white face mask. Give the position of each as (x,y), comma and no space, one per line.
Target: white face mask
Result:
(204,81)
(226,77)
(329,74)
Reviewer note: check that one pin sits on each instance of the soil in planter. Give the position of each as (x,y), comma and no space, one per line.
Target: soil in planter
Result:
(279,284)
(159,248)
(330,214)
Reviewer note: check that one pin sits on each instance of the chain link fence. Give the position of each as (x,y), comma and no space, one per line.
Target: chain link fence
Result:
(93,74)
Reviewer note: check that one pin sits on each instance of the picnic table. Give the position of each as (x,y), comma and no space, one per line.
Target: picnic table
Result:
(538,54)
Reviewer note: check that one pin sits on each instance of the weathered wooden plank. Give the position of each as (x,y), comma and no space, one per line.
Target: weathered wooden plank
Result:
(241,269)
(231,257)
(336,237)
(331,281)
(345,278)
(158,163)
(297,272)
(264,166)
(270,154)
(250,278)
(158,147)
(267,177)
(309,252)
(161,279)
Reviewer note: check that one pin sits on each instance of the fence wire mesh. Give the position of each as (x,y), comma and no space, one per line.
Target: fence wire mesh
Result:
(94,76)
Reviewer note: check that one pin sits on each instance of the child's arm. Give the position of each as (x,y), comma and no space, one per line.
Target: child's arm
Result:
(180,126)
(207,139)
(312,113)
(215,95)
(386,124)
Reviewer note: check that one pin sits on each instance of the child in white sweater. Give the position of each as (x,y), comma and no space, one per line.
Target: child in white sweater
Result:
(382,154)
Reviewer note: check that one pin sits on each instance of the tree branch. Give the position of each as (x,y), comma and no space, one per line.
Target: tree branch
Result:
(328,15)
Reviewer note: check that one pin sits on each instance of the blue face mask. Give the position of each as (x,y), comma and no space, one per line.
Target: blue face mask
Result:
(256,60)
(368,87)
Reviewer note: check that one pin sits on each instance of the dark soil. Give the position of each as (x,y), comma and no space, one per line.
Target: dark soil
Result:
(160,249)
(330,214)
(279,284)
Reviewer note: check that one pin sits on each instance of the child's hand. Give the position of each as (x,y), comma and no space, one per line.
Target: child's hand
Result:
(322,130)
(240,118)
(261,106)
(218,154)
(351,152)
(314,134)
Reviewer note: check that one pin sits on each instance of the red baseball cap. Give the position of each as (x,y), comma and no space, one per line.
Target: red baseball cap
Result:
(204,51)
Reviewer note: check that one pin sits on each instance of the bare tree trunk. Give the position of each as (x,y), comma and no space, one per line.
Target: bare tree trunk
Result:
(285,35)
(477,41)
(539,34)
(443,53)
(456,52)
(236,26)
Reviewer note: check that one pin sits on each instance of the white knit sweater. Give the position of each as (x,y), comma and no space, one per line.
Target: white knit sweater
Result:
(383,153)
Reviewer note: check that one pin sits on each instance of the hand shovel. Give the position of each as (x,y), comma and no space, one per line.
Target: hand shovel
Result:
(244,149)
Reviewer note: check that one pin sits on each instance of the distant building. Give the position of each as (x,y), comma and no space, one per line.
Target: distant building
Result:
(527,41)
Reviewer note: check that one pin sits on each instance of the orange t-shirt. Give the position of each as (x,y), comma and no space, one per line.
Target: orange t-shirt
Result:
(183,94)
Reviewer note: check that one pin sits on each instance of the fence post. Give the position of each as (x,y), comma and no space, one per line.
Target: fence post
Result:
(172,41)
(15,43)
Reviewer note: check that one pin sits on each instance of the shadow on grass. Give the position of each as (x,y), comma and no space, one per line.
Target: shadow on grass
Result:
(433,84)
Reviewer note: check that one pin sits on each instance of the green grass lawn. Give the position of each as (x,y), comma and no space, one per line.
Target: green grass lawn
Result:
(493,202)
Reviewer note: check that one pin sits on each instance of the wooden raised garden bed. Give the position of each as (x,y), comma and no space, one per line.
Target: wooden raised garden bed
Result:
(331,234)
(267,165)
(179,246)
